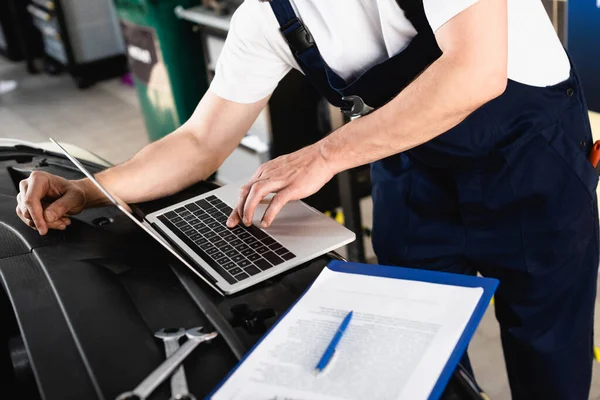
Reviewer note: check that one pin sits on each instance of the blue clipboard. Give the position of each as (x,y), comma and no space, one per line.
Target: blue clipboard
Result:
(488,285)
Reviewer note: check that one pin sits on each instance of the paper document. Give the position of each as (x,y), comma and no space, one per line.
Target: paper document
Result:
(395,347)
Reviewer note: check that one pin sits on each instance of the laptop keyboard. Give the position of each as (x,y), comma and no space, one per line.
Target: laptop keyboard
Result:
(236,254)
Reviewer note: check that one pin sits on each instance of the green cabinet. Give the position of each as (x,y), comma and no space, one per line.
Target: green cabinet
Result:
(166,61)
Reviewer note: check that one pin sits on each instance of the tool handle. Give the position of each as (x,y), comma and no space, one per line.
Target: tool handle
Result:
(594,156)
(160,374)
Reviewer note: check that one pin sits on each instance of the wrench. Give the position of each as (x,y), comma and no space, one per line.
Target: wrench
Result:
(179,387)
(160,374)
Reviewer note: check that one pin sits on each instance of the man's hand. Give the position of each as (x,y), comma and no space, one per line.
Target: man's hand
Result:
(291,177)
(46,201)
(471,72)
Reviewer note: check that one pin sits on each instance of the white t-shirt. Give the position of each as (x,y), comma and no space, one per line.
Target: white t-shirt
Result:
(353,35)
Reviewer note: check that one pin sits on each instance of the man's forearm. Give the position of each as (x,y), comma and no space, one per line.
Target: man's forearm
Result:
(160,169)
(188,155)
(444,95)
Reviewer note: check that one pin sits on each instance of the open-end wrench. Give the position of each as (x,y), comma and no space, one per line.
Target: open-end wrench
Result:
(160,374)
(179,386)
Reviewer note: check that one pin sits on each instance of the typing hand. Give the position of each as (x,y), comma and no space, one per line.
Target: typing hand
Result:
(291,177)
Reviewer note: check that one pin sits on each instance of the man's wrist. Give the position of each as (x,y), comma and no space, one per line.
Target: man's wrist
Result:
(330,152)
(92,195)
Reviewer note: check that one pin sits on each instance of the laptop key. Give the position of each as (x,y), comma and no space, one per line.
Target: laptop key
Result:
(179,210)
(171,214)
(206,246)
(231,253)
(248,252)
(243,263)
(250,240)
(251,270)
(287,256)
(204,230)
(241,276)
(262,249)
(235,271)
(255,245)
(237,258)
(211,199)
(206,218)
(228,265)
(181,223)
(254,257)
(242,247)
(220,243)
(221,218)
(228,236)
(244,235)
(212,251)
(226,248)
(275,246)
(268,241)
(235,242)
(281,251)
(214,224)
(210,235)
(218,256)
(226,209)
(195,236)
(213,212)
(262,264)
(175,220)
(238,230)
(273,258)
(257,232)
(186,229)
(191,207)
(201,241)
(203,204)
(220,229)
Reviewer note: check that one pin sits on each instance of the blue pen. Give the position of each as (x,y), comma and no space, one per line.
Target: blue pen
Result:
(326,358)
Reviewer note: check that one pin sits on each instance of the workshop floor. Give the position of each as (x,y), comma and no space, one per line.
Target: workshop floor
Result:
(106,119)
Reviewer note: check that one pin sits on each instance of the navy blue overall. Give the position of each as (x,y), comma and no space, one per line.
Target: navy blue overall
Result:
(508,193)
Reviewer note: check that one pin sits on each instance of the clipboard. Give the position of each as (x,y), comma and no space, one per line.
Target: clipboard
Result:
(488,285)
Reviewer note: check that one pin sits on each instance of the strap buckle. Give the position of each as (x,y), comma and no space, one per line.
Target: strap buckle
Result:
(299,38)
(357,109)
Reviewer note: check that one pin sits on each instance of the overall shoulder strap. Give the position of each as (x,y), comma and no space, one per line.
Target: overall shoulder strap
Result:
(307,53)
(380,83)
(414,10)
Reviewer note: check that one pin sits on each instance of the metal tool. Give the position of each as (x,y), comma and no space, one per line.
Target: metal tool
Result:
(358,109)
(166,369)
(179,386)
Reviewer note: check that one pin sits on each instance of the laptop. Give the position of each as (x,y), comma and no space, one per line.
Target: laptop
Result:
(231,260)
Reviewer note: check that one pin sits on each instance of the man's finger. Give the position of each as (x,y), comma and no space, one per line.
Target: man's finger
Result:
(257,193)
(277,203)
(25,220)
(32,200)
(22,207)
(23,186)
(34,207)
(29,223)
(238,211)
(60,207)
(58,224)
